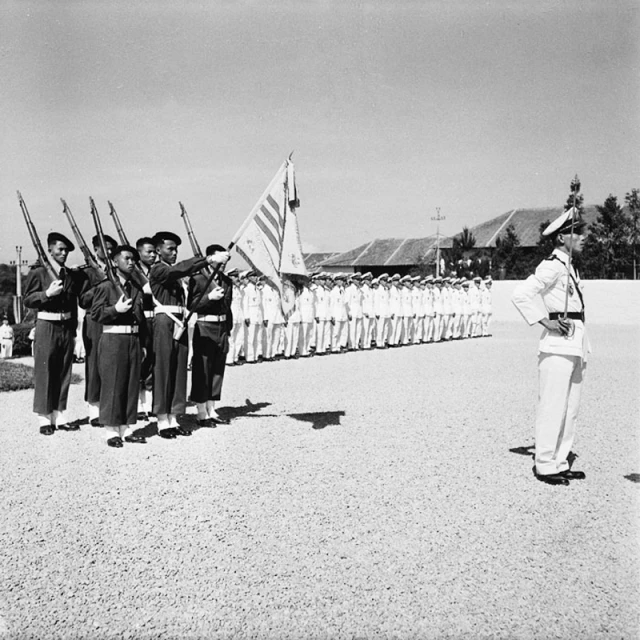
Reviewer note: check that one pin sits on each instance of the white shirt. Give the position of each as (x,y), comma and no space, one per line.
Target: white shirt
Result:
(550,282)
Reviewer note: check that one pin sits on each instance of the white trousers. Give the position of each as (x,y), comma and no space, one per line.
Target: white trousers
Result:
(323,331)
(367,331)
(340,334)
(355,332)
(560,382)
(254,337)
(6,348)
(306,333)
(382,331)
(291,339)
(486,318)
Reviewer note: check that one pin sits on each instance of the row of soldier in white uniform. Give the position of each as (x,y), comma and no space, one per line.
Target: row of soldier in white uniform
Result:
(337,312)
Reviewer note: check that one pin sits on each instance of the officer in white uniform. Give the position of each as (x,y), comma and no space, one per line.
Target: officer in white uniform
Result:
(465,327)
(406,309)
(395,306)
(354,299)
(486,306)
(338,313)
(253,317)
(236,339)
(562,351)
(382,311)
(306,304)
(323,326)
(274,320)
(437,309)
(368,313)
(476,305)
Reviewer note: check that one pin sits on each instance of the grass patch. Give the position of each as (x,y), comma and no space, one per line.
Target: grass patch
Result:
(15,376)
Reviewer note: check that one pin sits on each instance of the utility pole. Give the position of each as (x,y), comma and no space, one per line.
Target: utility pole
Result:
(17,299)
(438,218)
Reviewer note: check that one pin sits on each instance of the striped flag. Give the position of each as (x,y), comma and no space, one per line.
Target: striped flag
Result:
(264,235)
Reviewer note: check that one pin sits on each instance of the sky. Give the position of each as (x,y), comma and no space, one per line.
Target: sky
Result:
(392,109)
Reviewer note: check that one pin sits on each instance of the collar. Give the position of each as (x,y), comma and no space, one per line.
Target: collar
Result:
(561,255)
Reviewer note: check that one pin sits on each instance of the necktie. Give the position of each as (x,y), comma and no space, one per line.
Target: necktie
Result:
(127,289)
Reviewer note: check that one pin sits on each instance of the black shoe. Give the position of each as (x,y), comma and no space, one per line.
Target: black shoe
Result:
(142,415)
(553,478)
(115,442)
(135,439)
(95,422)
(205,422)
(182,432)
(49,430)
(68,427)
(220,420)
(167,434)
(574,475)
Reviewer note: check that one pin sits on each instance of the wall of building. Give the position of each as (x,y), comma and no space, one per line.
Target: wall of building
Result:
(610,302)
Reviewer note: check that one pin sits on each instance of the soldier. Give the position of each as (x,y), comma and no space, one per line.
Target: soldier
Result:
(563,349)
(486,306)
(429,311)
(465,326)
(395,308)
(447,309)
(339,315)
(456,303)
(170,367)
(354,299)
(56,304)
(147,252)
(323,326)
(406,306)
(273,321)
(381,305)
(119,351)
(306,304)
(6,339)
(475,302)
(236,339)
(253,317)
(368,314)
(92,330)
(418,309)
(211,304)
(292,321)
(437,309)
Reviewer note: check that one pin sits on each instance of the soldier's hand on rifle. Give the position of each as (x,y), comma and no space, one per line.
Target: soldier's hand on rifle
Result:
(54,289)
(217,293)
(124,304)
(219,257)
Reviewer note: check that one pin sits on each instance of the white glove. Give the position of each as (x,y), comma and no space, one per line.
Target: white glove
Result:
(54,289)
(123,305)
(216,294)
(146,288)
(219,257)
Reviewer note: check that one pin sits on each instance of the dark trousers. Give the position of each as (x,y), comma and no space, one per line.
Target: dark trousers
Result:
(169,369)
(119,357)
(53,357)
(91,333)
(146,368)
(210,348)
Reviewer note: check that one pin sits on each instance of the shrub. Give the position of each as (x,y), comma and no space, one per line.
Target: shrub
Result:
(21,342)
(15,376)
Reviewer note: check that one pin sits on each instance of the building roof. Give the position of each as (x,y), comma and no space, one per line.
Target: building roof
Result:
(312,260)
(526,223)
(385,252)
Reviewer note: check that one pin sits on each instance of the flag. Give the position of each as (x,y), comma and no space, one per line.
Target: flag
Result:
(271,232)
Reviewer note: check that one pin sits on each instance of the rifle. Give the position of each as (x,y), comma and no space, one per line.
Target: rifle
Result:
(116,221)
(37,245)
(103,245)
(89,258)
(197,252)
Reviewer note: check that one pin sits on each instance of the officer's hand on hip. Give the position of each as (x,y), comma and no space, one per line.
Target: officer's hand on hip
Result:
(555,326)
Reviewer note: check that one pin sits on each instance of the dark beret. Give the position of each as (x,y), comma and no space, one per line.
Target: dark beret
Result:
(212,248)
(96,240)
(162,236)
(54,237)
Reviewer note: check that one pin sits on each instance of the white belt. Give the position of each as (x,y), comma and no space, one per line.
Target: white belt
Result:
(221,318)
(47,315)
(119,328)
(149,314)
(169,308)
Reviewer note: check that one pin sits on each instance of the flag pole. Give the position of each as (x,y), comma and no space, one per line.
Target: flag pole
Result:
(575,187)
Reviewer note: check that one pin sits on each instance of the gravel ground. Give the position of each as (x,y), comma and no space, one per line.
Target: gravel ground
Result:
(385,494)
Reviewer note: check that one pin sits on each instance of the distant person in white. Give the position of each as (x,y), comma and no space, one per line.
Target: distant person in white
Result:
(563,349)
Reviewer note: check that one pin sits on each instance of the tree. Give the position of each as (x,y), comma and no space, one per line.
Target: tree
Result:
(632,200)
(507,253)
(462,243)
(607,250)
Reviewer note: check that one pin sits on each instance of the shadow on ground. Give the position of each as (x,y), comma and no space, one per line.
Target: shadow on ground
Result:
(634,477)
